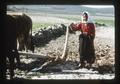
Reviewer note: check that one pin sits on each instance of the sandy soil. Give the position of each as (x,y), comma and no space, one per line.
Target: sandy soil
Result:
(104,46)
(104,49)
(48,19)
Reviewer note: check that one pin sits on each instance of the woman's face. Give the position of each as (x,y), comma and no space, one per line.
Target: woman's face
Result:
(85,17)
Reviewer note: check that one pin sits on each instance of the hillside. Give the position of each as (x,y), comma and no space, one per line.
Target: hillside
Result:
(62,9)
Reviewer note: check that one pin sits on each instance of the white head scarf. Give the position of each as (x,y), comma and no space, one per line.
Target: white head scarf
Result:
(89,20)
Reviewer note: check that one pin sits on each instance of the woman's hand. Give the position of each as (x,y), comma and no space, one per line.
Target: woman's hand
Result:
(71,28)
(71,25)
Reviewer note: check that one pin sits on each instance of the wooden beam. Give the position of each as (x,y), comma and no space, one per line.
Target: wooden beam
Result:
(64,55)
(35,55)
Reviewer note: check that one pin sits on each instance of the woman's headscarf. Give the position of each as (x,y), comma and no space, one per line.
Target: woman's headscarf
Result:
(89,20)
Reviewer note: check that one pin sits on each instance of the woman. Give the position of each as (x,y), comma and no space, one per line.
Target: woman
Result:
(86,40)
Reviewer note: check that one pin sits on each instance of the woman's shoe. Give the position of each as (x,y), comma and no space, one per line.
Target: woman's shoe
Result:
(89,66)
(82,65)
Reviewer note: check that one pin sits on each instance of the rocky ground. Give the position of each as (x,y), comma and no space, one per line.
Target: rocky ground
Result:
(103,68)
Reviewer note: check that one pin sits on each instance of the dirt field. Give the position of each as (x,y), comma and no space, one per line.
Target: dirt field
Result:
(104,50)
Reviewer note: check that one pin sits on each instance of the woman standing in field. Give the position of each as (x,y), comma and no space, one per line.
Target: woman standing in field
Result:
(86,40)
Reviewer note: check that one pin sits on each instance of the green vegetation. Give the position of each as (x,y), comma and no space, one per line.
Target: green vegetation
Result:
(105,21)
(101,20)
(108,22)
(70,18)
(41,25)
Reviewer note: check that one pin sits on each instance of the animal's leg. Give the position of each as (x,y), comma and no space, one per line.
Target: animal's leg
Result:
(11,60)
(21,43)
(26,43)
(17,56)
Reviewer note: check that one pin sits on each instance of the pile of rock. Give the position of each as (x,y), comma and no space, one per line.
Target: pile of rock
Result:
(100,24)
(44,35)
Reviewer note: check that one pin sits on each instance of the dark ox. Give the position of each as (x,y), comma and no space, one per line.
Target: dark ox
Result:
(21,26)
(18,28)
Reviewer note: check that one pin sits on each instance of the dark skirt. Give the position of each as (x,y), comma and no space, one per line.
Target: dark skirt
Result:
(86,48)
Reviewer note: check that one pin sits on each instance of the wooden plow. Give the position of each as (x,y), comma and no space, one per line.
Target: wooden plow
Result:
(51,60)
(35,55)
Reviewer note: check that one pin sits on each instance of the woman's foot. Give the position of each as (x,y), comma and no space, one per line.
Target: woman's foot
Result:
(89,65)
(82,65)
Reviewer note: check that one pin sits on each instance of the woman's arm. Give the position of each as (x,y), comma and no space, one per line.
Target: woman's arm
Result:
(92,30)
(75,27)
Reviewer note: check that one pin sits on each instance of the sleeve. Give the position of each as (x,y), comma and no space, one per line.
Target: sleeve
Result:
(76,26)
(92,30)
